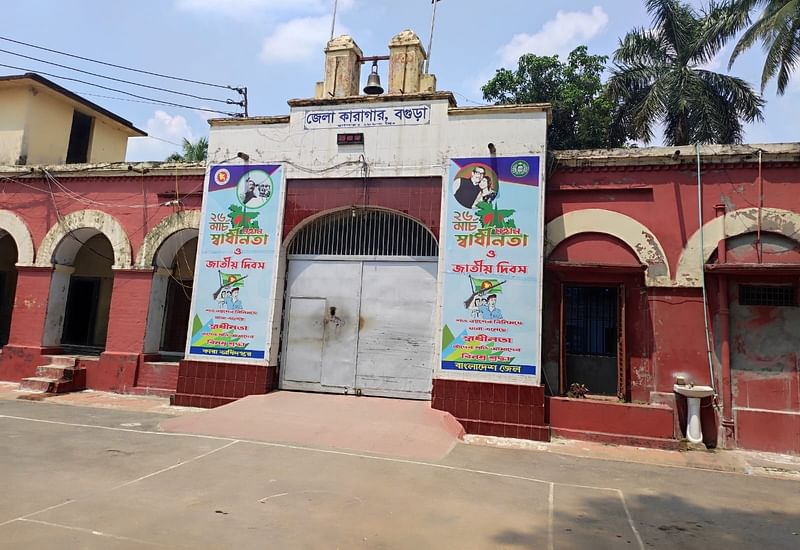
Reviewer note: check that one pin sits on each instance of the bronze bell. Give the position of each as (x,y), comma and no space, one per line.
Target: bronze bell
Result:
(373,86)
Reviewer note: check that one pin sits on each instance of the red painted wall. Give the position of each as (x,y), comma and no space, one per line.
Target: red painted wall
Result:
(665,333)
(137,202)
(420,198)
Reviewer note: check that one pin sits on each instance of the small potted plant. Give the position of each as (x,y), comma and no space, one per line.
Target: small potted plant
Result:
(577,390)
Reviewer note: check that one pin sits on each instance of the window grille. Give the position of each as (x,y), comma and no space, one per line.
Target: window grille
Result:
(590,321)
(364,232)
(768,295)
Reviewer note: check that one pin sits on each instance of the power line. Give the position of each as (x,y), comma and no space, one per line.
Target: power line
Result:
(226,101)
(120,66)
(119,91)
(82,93)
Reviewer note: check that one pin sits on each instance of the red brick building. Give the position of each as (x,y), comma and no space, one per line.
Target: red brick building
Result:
(623,310)
(662,267)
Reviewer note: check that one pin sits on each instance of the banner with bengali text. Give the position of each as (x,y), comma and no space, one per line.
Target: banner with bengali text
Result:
(237,255)
(493,232)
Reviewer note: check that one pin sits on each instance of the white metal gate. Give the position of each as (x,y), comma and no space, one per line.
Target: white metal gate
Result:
(361,323)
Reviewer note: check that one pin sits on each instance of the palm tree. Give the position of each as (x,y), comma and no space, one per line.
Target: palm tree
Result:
(192,152)
(659,77)
(778,30)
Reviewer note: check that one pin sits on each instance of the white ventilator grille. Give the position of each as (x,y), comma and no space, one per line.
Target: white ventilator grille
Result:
(364,232)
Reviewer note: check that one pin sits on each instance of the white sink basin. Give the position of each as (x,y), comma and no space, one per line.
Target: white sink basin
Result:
(694,391)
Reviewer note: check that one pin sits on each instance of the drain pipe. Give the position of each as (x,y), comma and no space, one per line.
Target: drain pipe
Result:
(729,431)
(760,249)
(703,272)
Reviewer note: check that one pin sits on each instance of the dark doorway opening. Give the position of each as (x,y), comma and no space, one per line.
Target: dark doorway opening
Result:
(176,316)
(81,316)
(593,339)
(8,285)
(78,148)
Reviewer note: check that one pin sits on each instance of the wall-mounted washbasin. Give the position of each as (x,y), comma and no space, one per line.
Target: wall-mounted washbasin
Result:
(694,391)
(693,394)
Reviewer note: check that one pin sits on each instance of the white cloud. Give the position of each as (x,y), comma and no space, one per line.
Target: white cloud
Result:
(298,39)
(557,36)
(165,134)
(245,9)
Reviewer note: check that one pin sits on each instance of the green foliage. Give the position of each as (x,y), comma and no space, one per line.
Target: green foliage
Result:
(582,113)
(658,78)
(777,28)
(192,152)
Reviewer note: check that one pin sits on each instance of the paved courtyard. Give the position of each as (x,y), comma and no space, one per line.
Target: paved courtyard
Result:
(96,478)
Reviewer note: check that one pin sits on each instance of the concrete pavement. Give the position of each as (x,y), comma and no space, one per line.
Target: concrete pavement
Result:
(391,427)
(90,477)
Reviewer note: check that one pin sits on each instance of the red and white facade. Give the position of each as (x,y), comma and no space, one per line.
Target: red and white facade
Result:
(656,270)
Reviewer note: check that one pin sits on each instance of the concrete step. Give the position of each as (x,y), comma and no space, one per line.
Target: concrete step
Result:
(61,360)
(55,379)
(55,371)
(39,384)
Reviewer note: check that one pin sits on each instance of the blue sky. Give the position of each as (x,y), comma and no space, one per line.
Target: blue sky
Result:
(274,47)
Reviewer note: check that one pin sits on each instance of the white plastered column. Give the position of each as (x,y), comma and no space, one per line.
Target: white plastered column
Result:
(56,305)
(156,309)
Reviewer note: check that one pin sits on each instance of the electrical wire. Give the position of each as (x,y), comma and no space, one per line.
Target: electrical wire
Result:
(82,93)
(83,200)
(119,91)
(240,90)
(70,232)
(226,101)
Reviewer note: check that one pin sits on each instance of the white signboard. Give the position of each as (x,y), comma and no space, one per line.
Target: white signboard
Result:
(368,117)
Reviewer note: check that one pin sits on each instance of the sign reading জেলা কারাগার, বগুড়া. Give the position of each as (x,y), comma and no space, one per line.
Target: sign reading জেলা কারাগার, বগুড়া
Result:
(407,115)
(236,261)
(493,232)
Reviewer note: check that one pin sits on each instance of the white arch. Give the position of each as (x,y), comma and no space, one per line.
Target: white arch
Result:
(18,229)
(639,238)
(732,224)
(84,224)
(149,253)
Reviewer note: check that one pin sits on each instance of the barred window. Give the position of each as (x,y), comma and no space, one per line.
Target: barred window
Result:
(768,295)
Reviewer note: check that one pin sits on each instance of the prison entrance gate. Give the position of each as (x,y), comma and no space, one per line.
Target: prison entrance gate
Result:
(360,306)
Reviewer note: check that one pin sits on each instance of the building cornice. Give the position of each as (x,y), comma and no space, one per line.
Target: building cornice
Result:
(106,169)
(372,99)
(681,156)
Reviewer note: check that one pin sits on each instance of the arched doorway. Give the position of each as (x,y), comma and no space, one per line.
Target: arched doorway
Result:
(595,316)
(8,283)
(88,300)
(360,305)
(170,247)
(178,299)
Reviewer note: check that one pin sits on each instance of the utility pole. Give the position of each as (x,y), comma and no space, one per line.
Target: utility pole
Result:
(430,39)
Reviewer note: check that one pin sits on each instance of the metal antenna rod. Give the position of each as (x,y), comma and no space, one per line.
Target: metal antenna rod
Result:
(430,39)
(333,20)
